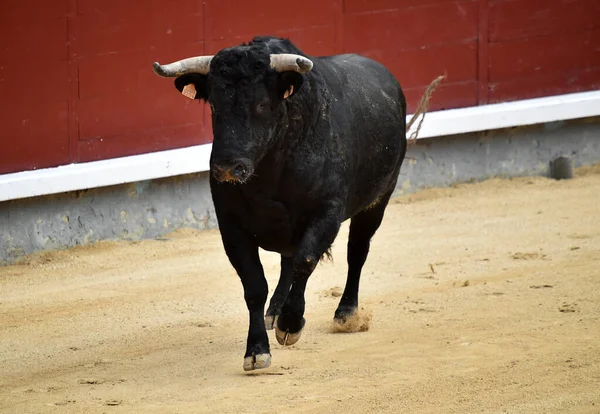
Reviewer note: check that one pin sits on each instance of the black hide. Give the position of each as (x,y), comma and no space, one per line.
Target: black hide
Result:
(286,172)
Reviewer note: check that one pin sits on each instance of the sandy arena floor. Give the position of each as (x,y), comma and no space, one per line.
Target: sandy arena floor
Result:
(485,298)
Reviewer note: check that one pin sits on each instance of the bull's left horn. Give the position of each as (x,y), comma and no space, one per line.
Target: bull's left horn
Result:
(198,64)
(287,61)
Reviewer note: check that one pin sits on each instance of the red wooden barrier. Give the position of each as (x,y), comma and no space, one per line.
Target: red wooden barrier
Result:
(76,82)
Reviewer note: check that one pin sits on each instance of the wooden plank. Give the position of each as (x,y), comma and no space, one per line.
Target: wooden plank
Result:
(111,75)
(545,85)
(483,51)
(20,85)
(37,136)
(314,41)
(107,116)
(73,85)
(143,28)
(33,85)
(207,35)
(117,48)
(518,19)
(140,142)
(591,49)
(232,18)
(36,120)
(366,6)
(22,45)
(418,67)
(338,24)
(410,28)
(12,11)
(540,55)
(447,95)
(120,7)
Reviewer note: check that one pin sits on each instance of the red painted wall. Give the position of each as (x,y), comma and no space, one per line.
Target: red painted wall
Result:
(76,82)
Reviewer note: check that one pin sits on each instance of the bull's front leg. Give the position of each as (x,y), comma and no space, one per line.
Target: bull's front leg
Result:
(318,237)
(242,252)
(280,294)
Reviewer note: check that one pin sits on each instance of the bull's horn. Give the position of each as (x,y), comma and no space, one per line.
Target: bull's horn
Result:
(286,61)
(199,64)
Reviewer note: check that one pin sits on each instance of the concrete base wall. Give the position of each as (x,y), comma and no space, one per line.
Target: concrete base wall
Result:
(150,209)
(510,152)
(145,209)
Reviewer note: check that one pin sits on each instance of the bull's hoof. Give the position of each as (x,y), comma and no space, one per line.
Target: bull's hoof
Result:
(287,338)
(344,313)
(259,361)
(351,320)
(270,321)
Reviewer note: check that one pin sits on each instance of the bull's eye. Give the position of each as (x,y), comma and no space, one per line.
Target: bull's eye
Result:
(263,105)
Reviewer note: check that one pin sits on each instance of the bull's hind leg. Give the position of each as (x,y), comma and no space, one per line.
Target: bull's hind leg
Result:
(362,228)
(280,294)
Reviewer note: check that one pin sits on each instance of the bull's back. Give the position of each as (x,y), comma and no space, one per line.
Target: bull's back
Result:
(369,115)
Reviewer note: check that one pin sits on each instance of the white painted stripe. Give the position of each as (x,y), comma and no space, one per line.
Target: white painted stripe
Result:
(104,173)
(510,114)
(196,159)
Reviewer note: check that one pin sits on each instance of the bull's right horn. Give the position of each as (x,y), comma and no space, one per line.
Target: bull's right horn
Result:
(288,61)
(198,64)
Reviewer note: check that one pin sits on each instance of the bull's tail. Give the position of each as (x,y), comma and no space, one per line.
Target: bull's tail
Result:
(422,108)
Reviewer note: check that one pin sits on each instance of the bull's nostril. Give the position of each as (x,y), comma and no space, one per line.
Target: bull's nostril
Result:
(232,170)
(239,170)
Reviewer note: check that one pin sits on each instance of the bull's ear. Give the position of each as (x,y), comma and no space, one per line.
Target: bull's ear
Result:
(193,86)
(288,84)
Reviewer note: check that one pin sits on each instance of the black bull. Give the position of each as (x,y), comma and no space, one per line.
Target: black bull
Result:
(301,144)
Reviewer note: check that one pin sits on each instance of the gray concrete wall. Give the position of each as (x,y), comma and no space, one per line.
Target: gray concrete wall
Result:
(145,209)
(150,209)
(440,162)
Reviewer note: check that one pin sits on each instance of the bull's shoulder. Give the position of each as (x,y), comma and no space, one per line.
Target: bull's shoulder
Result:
(353,63)
(349,76)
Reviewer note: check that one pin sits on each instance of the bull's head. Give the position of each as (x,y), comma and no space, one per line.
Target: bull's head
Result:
(245,87)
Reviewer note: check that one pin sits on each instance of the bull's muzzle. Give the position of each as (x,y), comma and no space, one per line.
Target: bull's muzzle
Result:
(238,171)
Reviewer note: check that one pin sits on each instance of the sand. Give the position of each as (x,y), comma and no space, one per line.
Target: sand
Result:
(478,298)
